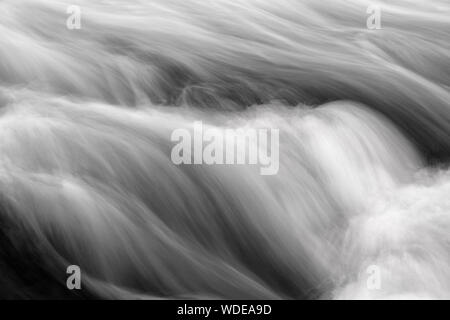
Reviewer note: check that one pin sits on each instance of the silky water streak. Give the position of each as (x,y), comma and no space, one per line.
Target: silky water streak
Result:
(360,185)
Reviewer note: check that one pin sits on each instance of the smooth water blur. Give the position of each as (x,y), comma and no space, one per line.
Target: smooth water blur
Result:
(86,176)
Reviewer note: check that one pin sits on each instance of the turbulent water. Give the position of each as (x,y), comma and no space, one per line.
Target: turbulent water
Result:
(86,176)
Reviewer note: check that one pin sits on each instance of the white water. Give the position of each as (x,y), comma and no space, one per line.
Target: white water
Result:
(85,170)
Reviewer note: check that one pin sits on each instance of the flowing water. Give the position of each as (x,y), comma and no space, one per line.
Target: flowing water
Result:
(86,176)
